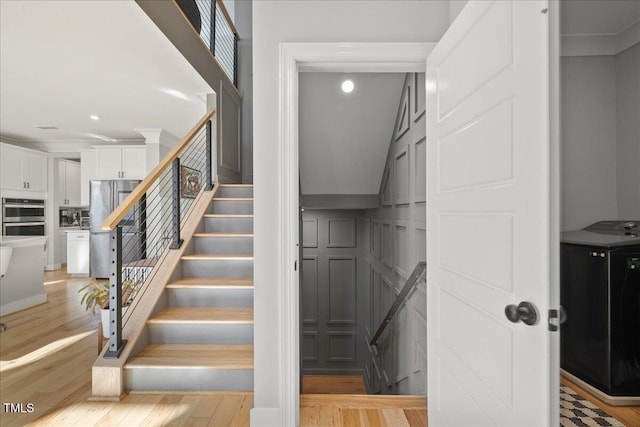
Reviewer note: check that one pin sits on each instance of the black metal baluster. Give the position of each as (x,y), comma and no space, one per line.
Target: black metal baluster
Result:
(177,241)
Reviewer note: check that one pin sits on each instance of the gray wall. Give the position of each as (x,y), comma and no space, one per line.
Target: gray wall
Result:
(243,23)
(600,108)
(588,114)
(334,292)
(395,240)
(628,132)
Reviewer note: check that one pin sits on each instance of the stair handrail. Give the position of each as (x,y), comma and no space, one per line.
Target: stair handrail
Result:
(412,281)
(150,218)
(119,213)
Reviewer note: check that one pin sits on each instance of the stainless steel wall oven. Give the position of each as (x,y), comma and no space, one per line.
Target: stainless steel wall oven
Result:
(23,217)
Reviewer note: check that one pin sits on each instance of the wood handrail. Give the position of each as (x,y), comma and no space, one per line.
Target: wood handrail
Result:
(226,15)
(119,213)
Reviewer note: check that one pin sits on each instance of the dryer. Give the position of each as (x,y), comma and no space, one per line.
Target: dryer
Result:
(600,293)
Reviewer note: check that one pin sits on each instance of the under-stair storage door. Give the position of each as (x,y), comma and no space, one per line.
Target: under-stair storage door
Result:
(489,218)
(331,311)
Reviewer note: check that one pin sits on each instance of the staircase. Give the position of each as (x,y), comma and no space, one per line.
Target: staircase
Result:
(201,337)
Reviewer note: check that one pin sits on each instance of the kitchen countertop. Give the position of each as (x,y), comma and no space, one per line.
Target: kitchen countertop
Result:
(22,241)
(78,230)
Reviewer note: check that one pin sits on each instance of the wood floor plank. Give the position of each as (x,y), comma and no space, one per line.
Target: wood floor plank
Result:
(416,417)
(141,410)
(241,418)
(183,411)
(226,411)
(395,417)
(350,417)
(373,418)
(161,412)
(206,407)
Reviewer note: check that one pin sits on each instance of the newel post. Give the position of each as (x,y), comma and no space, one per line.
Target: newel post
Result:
(116,343)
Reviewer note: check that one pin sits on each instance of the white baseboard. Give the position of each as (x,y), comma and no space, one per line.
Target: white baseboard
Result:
(51,267)
(266,417)
(12,307)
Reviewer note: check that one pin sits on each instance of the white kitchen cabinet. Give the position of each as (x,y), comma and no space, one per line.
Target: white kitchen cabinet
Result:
(88,166)
(23,169)
(60,248)
(78,252)
(121,162)
(68,183)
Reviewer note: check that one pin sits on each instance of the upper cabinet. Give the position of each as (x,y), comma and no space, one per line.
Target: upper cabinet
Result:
(121,162)
(68,184)
(89,166)
(23,169)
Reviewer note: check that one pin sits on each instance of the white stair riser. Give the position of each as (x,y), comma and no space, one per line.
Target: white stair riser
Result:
(217,268)
(201,297)
(235,192)
(231,207)
(200,333)
(223,245)
(188,379)
(228,225)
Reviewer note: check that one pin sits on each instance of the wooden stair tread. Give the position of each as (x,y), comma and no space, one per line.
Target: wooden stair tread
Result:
(212,356)
(228,215)
(220,257)
(232,199)
(217,315)
(214,235)
(212,282)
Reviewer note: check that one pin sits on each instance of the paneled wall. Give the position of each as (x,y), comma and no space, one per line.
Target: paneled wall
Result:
(334,294)
(395,240)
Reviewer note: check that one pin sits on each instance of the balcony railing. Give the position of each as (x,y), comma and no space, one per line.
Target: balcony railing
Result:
(211,21)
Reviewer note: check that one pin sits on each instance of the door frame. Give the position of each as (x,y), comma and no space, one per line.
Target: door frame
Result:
(321,57)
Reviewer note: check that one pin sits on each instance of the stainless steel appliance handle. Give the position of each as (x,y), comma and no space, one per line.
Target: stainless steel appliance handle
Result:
(21,205)
(21,224)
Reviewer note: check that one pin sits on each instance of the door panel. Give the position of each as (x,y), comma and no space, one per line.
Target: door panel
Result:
(332,297)
(488,239)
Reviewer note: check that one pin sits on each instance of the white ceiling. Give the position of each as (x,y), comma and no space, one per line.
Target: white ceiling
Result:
(344,138)
(62,61)
(598,16)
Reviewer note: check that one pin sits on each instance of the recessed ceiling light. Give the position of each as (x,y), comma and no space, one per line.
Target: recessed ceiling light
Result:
(347,86)
(94,117)
(47,127)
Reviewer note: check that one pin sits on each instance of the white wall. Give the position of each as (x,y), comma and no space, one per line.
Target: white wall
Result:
(303,21)
(628,132)
(588,140)
(455,7)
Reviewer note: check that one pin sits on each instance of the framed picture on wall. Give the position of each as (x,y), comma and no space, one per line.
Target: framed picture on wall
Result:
(190,182)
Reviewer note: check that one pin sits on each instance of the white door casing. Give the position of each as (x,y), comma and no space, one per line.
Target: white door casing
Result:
(490,217)
(322,57)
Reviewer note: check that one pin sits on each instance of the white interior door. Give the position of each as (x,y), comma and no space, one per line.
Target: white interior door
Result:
(489,219)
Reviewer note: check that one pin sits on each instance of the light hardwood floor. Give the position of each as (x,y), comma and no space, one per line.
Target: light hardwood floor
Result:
(46,356)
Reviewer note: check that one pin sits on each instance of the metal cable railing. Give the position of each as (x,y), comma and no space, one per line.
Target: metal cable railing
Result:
(416,276)
(210,19)
(147,225)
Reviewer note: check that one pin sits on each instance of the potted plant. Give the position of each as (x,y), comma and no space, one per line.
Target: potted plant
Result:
(95,296)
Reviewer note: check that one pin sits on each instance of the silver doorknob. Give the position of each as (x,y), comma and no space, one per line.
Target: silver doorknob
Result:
(525,312)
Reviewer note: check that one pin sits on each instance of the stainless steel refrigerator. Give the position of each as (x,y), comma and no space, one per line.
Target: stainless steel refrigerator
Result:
(105,196)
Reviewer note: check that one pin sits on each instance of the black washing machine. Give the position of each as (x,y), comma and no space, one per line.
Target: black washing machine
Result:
(600,293)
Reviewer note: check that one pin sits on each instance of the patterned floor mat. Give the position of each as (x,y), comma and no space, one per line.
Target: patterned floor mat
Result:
(575,411)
